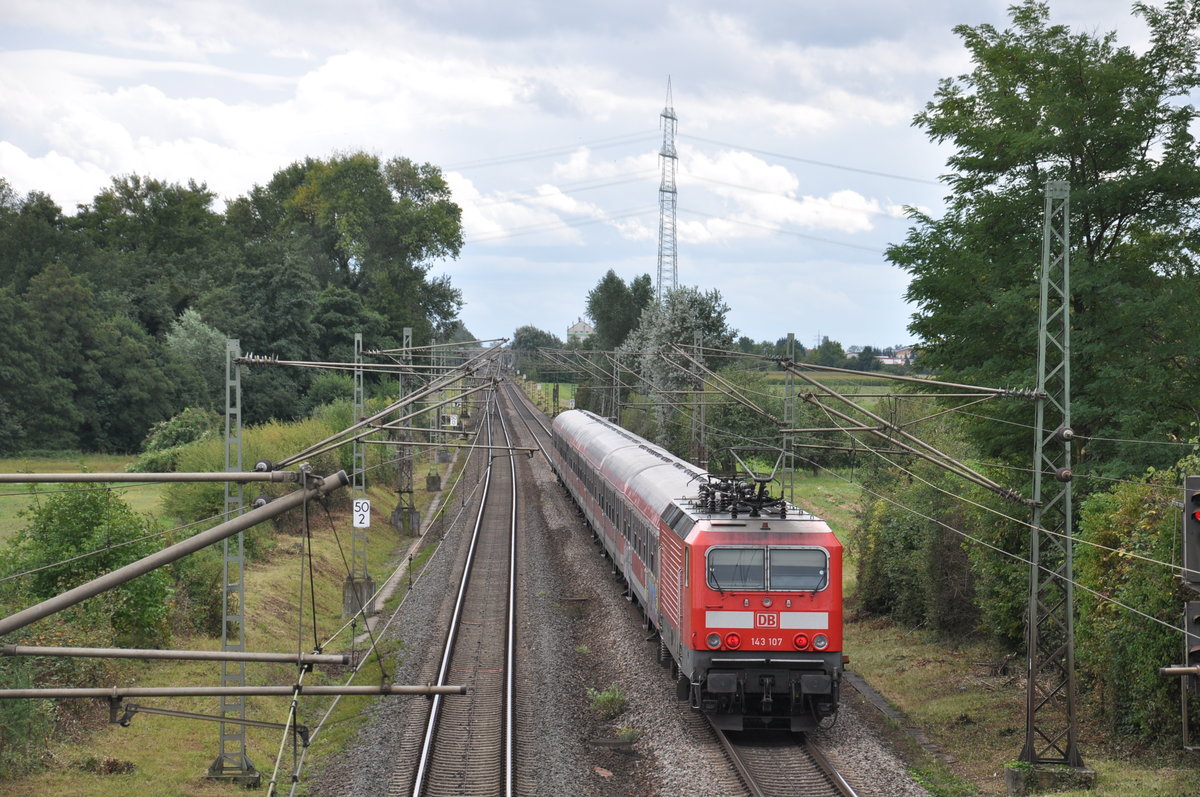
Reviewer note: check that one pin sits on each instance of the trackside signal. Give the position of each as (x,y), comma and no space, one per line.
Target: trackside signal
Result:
(1191,531)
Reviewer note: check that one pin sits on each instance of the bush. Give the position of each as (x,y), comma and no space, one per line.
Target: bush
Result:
(329,387)
(63,527)
(608,703)
(1118,653)
(162,446)
(890,566)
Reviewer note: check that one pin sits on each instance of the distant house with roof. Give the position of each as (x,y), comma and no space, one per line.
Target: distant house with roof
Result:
(579,331)
(903,355)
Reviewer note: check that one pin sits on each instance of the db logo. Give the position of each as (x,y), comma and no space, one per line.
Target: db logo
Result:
(766,620)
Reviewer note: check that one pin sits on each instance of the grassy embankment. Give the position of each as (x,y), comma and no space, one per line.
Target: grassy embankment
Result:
(953,694)
(172,755)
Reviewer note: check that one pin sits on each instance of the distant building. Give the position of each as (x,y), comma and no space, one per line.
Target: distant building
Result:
(579,331)
(902,356)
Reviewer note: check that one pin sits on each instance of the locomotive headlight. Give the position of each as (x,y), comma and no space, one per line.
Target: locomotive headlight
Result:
(733,640)
(767,602)
(800,641)
(820,642)
(714,641)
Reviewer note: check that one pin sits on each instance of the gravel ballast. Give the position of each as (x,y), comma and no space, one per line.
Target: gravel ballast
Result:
(578,632)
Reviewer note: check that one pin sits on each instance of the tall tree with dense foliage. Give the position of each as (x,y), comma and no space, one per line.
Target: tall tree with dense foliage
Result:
(151,248)
(372,227)
(526,341)
(682,313)
(615,307)
(1043,103)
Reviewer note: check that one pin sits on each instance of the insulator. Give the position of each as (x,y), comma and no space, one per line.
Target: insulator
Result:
(263,466)
(1063,475)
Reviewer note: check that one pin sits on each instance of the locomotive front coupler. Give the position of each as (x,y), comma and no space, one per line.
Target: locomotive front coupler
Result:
(768,683)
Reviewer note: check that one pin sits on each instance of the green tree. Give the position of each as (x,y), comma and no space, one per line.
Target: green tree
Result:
(197,352)
(526,341)
(33,234)
(368,226)
(675,321)
(615,307)
(867,360)
(1043,103)
(830,353)
(151,248)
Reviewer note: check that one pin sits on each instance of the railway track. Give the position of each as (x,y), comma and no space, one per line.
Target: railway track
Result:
(467,745)
(782,765)
(767,764)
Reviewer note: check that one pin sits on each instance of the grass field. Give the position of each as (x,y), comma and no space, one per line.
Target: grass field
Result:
(17,498)
(171,755)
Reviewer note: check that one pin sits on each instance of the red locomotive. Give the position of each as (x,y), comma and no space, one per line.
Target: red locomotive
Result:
(745,591)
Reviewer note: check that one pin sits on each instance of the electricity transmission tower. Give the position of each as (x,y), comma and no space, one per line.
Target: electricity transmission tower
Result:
(668,266)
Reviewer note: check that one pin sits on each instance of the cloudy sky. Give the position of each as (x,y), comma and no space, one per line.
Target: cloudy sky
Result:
(796,153)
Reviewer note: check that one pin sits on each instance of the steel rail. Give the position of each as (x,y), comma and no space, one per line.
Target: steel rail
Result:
(824,763)
(522,403)
(511,643)
(423,762)
(826,768)
(739,765)
(243,691)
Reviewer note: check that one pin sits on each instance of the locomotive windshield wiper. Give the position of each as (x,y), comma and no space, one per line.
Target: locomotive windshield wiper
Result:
(712,572)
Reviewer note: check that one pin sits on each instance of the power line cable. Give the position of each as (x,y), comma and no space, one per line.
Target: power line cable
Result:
(1017,557)
(1105,598)
(873,249)
(538,154)
(566,188)
(812,162)
(558,224)
(986,508)
(768,192)
(1012,519)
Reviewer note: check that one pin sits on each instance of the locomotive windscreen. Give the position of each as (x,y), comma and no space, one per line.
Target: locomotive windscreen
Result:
(774,568)
(736,568)
(799,569)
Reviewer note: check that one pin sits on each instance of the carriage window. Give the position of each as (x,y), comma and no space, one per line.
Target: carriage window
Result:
(802,569)
(736,568)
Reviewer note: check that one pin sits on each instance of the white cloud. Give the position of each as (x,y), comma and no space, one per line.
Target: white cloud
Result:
(68,181)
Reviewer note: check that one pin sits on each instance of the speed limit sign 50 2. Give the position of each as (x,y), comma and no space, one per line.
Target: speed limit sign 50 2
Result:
(362,513)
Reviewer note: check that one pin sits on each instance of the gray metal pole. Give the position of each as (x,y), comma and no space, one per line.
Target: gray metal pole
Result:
(219,691)
(104,478)
(231,760)
(180,655)
(358,586)
(169,554)
(1051,724)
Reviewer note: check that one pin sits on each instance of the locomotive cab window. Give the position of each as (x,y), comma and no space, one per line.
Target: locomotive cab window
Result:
(736,568)
(799,569)
(759,568)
